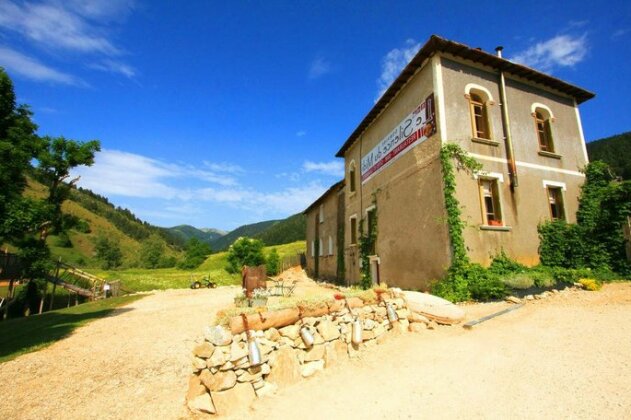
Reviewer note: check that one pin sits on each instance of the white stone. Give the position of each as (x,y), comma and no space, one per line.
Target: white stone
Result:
(328,330)
(218,335)
(202,404)
(198,364)
(268,388)
(217,359)
(290,331)
(530,297)
(238,351)
(310,368)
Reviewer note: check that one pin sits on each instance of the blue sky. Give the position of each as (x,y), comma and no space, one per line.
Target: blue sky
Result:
(218,114)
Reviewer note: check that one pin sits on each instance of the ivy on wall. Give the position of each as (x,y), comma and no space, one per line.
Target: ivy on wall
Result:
(366,242)
(448,154)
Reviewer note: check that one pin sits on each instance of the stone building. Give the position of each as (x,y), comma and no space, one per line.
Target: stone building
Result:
(522,125)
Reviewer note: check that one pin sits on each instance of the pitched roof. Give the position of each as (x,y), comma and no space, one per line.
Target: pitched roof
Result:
(334,188)
(436,44)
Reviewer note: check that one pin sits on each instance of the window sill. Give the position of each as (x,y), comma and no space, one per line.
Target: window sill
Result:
(549,154)
(496,228)
(488,142)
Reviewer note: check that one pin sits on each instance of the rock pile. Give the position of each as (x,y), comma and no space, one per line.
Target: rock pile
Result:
(223,377)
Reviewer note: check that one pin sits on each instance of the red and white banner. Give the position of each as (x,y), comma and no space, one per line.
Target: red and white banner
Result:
(417,127)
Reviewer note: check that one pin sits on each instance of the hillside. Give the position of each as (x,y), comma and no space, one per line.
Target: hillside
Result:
(221,244)
(285,231)
(98,217)
(615,151)
(186,232)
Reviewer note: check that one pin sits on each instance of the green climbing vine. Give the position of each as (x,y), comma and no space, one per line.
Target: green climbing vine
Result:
(448,154)
(367,240)
(463,280)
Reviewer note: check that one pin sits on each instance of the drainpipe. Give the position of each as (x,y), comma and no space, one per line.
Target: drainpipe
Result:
(510,153)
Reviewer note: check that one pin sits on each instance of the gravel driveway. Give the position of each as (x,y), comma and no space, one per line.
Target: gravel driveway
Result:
(566,356)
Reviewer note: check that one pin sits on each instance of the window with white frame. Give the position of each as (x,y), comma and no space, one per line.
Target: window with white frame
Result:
(479,101)
(555,201)
(543,126)
(490,201)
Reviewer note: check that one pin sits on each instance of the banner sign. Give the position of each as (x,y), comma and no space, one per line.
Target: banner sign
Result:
(417,127)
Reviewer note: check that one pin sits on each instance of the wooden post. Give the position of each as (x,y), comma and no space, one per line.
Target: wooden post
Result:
(626,229)
(52,296)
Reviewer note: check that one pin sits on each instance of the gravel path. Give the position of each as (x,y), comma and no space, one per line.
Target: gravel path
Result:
(133,364)
(567,356)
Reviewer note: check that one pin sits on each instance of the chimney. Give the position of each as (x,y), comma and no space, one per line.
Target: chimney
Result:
(498,50)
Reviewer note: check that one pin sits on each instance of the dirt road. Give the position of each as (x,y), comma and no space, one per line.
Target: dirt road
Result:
(567,356)
(134,363)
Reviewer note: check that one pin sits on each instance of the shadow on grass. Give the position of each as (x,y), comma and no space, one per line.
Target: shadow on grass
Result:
(24,335)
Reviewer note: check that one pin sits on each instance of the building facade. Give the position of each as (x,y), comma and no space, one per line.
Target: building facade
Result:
(524,128)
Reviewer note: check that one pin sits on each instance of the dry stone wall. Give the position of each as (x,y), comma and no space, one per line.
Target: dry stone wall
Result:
(223,378)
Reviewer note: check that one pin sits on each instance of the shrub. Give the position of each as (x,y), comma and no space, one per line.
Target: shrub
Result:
(470,281)
(63,240)
(502,265)
(245,251)
(108,251)
(82,226)
(272,264)
(196,253)
(590,284)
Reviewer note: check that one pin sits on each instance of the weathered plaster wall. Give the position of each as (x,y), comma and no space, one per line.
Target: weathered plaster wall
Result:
(327,262)
(525,207)
(412,241)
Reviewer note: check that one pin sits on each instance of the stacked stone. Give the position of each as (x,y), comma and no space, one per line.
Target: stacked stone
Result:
(223,377)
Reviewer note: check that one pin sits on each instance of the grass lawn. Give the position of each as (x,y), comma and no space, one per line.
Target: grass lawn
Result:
(143,279)
(24,335)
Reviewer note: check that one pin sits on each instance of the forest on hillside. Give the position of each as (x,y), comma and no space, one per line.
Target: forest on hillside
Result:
(614,151)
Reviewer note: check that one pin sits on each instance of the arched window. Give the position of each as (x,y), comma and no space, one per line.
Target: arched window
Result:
(543,127)
(351,177)
(479,101)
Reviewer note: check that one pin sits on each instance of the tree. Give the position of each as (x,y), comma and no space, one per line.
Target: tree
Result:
(196,253)
(56,158)
(151,251)
(108,251)
(272,265)
(245,251)
(18,146)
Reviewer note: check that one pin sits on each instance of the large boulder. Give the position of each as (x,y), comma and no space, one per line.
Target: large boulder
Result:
(433,307)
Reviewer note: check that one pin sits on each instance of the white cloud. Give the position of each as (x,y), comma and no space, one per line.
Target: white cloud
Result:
(113,66)
(51,25)
(132,175)
(301,133)
(224,167)
(620,33)
(75,26)
(334,167)
(30,68)
(393,62)
(559,51)
(319,67)
(177,189)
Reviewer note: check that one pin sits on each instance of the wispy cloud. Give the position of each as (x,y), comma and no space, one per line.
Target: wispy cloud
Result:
(319,67)
(69,26)
(224,167)
(117,173)
(301,133)
(559,51)
(393,62)
(31,68)
(113,66)
(619,33)
(51,25)
(133,175)
(333,168)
